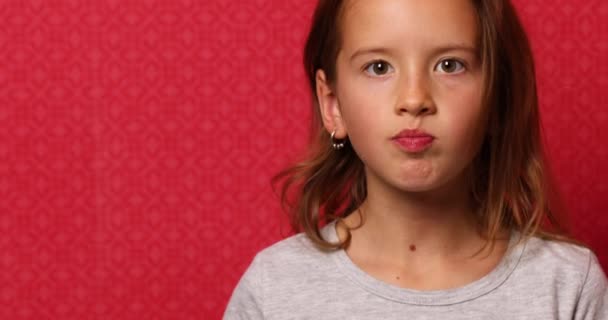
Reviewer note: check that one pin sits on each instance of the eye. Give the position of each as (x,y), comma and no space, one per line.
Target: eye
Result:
(449,66)
(377,68)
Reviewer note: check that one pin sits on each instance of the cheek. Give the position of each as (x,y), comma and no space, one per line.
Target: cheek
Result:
(464,122)
(364,121)
(361,108)
(368,97)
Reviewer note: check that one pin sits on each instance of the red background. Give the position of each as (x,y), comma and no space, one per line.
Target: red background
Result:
(138,138)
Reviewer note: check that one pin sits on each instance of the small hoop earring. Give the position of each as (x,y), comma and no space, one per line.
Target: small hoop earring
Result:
(336,144)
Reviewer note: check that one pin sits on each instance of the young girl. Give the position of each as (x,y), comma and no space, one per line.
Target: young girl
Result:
(426,195)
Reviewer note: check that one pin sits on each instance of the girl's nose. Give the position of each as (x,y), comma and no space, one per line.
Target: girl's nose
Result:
(415,98)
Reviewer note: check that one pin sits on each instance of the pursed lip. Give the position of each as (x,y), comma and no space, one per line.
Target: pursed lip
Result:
(413,140)
(412,133)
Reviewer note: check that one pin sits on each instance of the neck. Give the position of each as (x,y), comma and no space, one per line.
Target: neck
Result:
(402,226)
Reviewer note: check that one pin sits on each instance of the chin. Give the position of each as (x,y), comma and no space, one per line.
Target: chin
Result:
(418,189)
(431,183)
(417,186)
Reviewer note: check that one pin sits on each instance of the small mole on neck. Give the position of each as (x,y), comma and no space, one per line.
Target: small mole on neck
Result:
(412,247)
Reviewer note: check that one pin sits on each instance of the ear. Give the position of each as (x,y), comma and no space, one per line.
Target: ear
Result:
(329,106)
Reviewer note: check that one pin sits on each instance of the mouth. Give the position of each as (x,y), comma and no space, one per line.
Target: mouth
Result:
(413,141)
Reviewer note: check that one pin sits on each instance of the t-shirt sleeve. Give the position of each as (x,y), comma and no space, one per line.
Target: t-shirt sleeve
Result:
(593,301)
(247,298)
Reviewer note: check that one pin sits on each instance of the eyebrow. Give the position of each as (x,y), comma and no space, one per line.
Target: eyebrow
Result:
(388,51)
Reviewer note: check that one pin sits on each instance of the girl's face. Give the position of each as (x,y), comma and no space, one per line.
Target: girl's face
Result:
(408,90)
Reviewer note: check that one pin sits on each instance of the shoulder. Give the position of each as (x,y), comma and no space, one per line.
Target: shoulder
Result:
(277,272)
(297,252)
(567,267)
(294,254)
(295,263)
(559,256)
(559,260)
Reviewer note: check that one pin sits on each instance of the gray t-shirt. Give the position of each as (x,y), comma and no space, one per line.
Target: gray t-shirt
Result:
(536,280)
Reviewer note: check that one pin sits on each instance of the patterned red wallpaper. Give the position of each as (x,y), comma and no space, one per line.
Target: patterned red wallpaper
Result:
(137,140)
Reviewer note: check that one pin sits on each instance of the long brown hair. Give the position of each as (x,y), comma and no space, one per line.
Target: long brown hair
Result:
(511,182)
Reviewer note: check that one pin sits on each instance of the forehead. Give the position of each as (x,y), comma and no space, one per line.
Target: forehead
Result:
(408,22)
